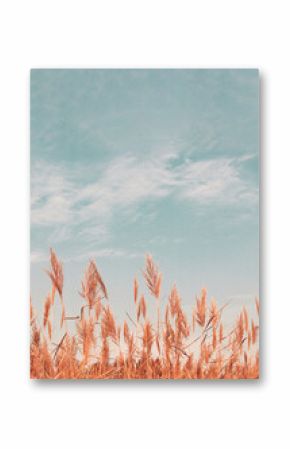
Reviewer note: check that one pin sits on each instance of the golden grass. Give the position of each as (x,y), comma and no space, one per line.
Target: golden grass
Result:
(174,346)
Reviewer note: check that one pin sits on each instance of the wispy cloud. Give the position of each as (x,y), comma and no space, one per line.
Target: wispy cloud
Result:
(52,194)
(72,207)
(216,180)
(38,256)
(103,253)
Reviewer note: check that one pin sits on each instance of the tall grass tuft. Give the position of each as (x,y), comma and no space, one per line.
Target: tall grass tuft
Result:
(172,346)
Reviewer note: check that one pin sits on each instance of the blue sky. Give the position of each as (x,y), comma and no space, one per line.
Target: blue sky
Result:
(126,162)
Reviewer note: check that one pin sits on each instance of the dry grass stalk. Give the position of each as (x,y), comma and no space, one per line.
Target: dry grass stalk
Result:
(93,286)
(201,308)
(136,286)
(153,277)
(171,349)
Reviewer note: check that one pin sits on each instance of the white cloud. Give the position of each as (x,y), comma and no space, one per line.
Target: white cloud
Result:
(125,183)
(38,256)
(103,253)
(51,195)
(64,201)
(212,180)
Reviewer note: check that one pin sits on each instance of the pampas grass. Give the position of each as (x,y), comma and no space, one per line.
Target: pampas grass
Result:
(172,346)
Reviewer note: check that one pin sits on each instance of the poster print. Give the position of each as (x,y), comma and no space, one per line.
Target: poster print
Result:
(144,224)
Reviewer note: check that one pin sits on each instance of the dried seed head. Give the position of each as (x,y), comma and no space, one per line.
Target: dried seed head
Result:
(257,301)
(246,319)
(174,302)
(201,308)
(47,306)
(152,277)
(135,290)
(56,273)
(93,285)
(126,332)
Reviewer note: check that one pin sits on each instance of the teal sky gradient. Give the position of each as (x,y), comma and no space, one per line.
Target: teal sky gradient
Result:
(128,162)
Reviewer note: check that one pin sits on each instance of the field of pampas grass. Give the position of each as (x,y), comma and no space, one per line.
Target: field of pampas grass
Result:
(172,345)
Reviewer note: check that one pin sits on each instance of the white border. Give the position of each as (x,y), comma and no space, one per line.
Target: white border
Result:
(144,34)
